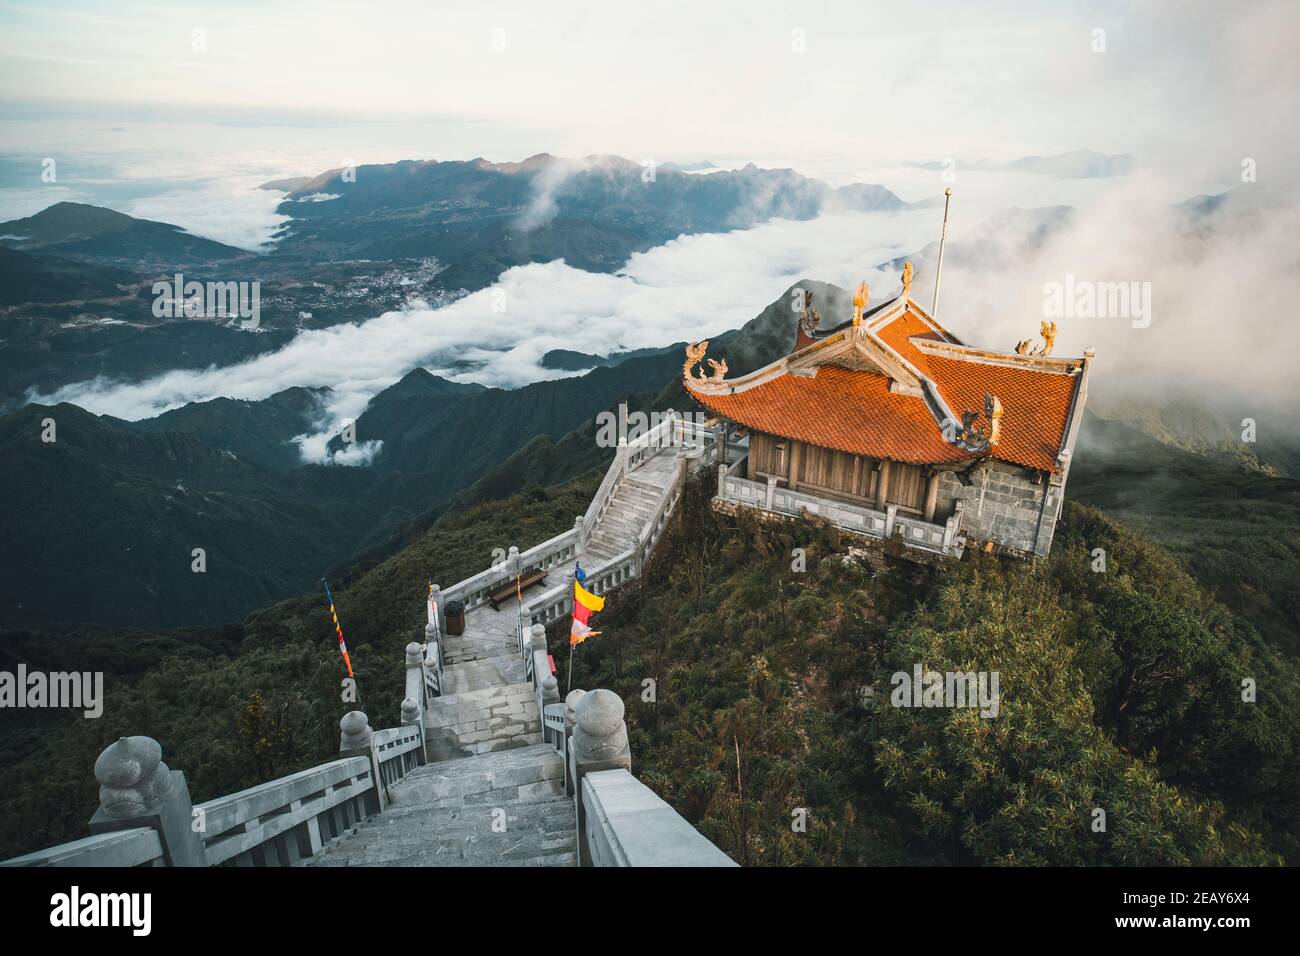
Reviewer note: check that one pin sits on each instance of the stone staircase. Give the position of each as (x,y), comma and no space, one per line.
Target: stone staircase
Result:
(632,506)
(492,793)
(506,808)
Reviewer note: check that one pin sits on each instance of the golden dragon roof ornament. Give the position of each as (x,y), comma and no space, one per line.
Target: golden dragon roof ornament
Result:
(980,438)
(907,280)
(1048,332)
(694,355)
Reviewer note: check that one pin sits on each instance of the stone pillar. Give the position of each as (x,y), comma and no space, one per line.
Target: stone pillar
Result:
(413,713)
(682,465)
(416,694)
(570,721)
(599,743)
(440,624)
(356,740)
(722,480)
(579,533)
(550,694)
(136,789)
(952,526)
(622,454)
(891,513)
(771,491)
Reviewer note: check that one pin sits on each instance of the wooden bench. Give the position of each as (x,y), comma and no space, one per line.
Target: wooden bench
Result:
(507,590)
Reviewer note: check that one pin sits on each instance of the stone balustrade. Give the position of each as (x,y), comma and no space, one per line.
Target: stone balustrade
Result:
(916,533)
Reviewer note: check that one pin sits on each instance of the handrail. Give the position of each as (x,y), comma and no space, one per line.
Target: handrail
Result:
(238,824)
(137,847)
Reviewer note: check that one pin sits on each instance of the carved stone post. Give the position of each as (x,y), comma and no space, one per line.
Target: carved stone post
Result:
(548,689)
(579,531)
(622,454)
(416,692)
(722,480)
(136,789)
(771,491)
(356,740)
(952,525)
(439,622)
(570,721)
(891,513)
(599,743)
(412,714)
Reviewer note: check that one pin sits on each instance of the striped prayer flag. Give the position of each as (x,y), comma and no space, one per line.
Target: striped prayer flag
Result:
(343,647)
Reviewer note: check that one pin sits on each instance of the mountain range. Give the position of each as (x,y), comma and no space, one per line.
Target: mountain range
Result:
(76,299)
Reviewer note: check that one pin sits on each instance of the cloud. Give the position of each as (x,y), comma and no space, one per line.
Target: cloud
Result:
(229,211)
(1222,290)
(689,288)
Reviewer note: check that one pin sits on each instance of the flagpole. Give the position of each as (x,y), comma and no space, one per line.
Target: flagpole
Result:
(338,629)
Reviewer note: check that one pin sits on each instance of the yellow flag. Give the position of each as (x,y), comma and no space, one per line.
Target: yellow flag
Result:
(588,600)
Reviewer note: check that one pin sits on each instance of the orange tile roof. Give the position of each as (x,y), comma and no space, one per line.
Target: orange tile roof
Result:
(1035,405)
(850,411)
(897,333)
(853,410)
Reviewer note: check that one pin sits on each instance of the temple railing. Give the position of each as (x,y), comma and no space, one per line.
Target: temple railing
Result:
(945,539)
(136,847)
(146,816)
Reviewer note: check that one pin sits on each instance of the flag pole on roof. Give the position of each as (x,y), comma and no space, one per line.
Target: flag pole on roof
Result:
(938,269)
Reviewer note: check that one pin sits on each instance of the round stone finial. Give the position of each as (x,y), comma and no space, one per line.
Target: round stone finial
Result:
(132,776)
(355,727)
(430,632)
(550,686)
(570,703)
(410,711)
(600,733)
(413,654)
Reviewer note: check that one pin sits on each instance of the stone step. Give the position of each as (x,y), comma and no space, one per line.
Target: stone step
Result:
(478,645)
(482,721)
(470,675)
(523,773)
(620,528)
(536,833)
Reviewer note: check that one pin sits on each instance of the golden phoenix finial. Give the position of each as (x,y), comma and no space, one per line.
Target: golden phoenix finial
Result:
(860,298)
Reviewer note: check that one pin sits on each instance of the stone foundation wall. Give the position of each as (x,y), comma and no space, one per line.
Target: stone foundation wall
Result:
(1003,505)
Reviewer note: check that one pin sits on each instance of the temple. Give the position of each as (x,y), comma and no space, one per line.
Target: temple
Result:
(889,426)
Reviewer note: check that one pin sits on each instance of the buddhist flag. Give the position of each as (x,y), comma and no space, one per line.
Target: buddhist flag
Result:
(584,603)
(343,647)
(583,597)
(580,632)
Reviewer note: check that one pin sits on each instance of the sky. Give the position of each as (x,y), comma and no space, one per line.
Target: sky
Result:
(827,84)
(178,111)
